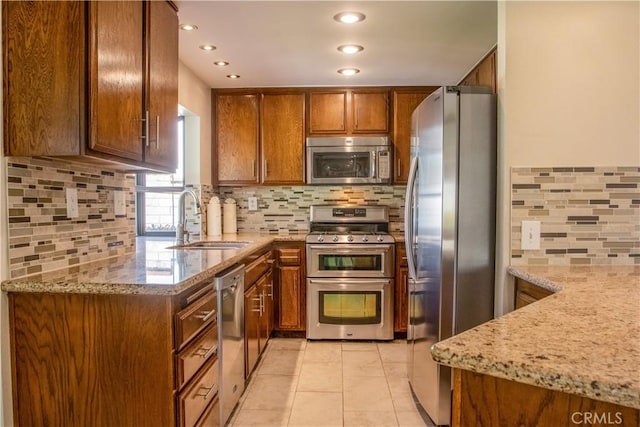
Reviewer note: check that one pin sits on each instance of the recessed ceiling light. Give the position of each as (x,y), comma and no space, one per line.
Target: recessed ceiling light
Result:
(221,63)
(188,27)
(350,49)
(348,71)
(349,17)
(208,47)
(233,76)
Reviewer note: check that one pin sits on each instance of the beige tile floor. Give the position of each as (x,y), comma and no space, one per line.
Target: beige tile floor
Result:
(328,383)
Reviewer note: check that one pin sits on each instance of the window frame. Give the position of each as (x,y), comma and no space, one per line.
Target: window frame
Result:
(142,189)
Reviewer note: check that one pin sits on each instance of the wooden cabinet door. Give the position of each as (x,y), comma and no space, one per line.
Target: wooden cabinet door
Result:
(328,112)
(43,77)
(403,105)
(483,74)
(282,135)
(269,304)
(486,75)
(369,111)
(263,324)
(236,118)
(162,85)
(251,329)
(401,292)
(116,78)
(289,307)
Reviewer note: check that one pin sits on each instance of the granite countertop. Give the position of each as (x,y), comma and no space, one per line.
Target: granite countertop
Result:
(583,340)
(154,268)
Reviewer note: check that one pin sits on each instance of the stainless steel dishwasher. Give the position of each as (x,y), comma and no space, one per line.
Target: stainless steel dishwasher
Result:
(230,286)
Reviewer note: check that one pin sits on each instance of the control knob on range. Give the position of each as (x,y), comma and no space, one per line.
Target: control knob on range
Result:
(335,238)
(350,238)
(365,239)
(380,239)
(321,238)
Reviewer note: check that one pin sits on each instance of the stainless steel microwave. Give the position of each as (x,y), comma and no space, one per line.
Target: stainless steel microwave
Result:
(348,160)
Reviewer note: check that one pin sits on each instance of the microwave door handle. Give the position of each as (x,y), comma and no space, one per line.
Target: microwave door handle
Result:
(374,164)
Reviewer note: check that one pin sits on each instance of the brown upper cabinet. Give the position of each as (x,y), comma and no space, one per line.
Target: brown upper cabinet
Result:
(259,137)
(349,111)
(236,132)
(483,74)
(405,100)
(282,136)
(92,79)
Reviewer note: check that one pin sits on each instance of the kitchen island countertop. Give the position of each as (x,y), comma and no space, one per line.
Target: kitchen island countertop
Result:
(153,269)
(584,339)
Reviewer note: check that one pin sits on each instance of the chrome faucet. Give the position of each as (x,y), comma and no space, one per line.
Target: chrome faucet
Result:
(182,235)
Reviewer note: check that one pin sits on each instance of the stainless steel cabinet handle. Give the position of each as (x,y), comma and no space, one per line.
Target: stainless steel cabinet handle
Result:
(205,352)
(253,168)
(266,170)
(157,132)
(259,300)
(205,315)
(145,119)
(208,391)
(399,169)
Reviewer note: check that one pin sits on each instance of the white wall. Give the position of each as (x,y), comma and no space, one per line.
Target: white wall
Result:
(195,96)
(569,89)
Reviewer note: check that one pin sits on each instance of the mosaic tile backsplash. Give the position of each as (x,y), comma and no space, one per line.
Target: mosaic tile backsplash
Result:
(42,238)
(588,215)
(283,210)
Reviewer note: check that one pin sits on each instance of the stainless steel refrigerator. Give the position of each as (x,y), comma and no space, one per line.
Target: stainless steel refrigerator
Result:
(449,231)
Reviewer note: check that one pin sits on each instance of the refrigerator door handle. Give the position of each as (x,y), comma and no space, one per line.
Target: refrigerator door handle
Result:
(409,219)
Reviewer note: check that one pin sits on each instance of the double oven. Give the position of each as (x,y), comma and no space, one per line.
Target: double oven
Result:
(350,273)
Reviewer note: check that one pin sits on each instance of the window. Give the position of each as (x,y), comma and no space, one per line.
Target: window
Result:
(157,196)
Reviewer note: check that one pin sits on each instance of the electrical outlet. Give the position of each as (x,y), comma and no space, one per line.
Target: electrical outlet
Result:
(253,203)
(119,204)
(72,203)
(530,239)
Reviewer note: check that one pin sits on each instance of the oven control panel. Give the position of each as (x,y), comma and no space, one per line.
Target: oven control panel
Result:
(349,212)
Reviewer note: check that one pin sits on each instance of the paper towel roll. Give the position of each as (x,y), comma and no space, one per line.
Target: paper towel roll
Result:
(214,218)
(229,219)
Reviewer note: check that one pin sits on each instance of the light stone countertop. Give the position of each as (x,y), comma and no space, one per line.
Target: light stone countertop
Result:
(583,340)
(154,268)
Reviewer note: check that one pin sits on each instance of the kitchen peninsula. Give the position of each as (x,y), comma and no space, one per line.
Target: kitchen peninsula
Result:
(128,340)
(574,352)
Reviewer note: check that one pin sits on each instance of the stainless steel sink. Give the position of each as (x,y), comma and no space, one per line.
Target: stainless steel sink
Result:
(214,244)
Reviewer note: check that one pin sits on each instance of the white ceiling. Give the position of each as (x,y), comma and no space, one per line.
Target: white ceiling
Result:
(294,43)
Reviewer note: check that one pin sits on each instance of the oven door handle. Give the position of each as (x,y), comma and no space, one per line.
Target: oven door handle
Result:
(341,281)
(351,248)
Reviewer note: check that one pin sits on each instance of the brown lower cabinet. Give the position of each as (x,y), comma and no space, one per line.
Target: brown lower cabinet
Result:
(290,287)
(401,291)
(483,400)
(258,309)
(527,293)
(88,359)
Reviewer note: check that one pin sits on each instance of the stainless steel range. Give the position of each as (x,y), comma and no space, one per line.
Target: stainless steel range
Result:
(350,270)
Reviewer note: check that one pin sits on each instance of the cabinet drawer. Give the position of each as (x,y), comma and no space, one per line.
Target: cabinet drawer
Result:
(194,399)
(195,317)
(211,416)
(290,256)
(196,354)
(256,269)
